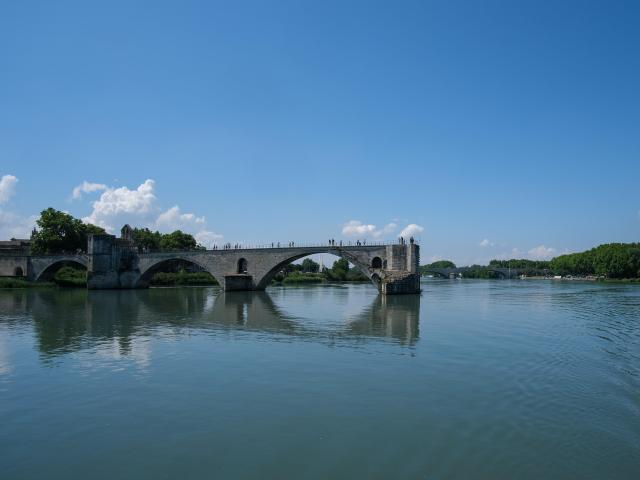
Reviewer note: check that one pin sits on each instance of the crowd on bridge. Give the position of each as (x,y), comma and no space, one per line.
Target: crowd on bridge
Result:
(331,242)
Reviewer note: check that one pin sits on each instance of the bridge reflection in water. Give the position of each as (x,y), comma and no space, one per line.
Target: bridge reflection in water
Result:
(65,321)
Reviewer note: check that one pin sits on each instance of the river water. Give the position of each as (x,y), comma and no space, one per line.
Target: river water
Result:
(471,379)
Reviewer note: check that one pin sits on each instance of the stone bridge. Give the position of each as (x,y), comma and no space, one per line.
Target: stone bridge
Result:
(116,263)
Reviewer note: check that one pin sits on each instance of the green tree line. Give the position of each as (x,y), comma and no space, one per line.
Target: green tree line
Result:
(611,260)
(59,232)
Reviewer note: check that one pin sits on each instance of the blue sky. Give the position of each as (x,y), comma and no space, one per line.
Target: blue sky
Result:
(495,128)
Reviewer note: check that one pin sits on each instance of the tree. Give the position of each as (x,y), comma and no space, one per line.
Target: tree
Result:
(309,266)
(178,240)
(442,264)
(339,270)
(146,239)
(59,232)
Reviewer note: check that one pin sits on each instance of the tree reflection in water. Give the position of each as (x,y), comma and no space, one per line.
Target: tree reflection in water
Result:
(65,321)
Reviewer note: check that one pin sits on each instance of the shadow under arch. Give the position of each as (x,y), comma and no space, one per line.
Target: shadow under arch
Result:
(265,281)
(170,263)
(49,272)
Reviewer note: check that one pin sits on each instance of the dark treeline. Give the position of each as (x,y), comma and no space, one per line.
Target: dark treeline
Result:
(59,232)
(611,260)
(150,241)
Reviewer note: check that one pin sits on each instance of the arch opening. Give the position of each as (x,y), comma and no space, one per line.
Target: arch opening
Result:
(376,262)
(345,268)
(18,272)
(176,272)
(435,273)
(49,273)
(243,266)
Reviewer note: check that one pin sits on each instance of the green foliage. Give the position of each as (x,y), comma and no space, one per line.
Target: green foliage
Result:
(309,266)
(479,271)
(7,282)
(150,241)
(145,239)
(355,275)
(183,278)
(70,277)
(298,277)
(59,232)
(426,269)
(522,264)
(442,264)
(612,260)
(338,272)
(22,283)
(178,240)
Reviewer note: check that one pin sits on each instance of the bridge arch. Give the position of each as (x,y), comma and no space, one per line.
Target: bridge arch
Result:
(263,279)
(43,267)
(437,272)
(147,272)
(376,262)
(18,272)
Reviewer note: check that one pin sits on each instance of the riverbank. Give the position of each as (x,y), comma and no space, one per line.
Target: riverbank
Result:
(10,282)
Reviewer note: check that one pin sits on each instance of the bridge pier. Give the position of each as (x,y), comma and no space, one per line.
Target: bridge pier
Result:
(405,284)
(238,283)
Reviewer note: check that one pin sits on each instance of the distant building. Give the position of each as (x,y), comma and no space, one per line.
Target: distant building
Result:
(13,257)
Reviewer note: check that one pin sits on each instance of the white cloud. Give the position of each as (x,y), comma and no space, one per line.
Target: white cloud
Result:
(207,238)
(140,208)
(411,230)
(514,253)
(486,243)
(87,187)
(15,226)
(388,228)
(173,219)
(7,187)
(117,206)
(357,228)
(541,253)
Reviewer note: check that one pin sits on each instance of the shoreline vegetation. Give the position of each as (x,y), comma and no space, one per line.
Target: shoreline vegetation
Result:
(612,262)
(60,232)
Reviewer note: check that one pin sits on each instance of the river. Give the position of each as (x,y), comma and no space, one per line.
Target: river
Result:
(471,379)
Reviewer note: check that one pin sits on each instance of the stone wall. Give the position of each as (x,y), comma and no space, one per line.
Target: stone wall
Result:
(14,258)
